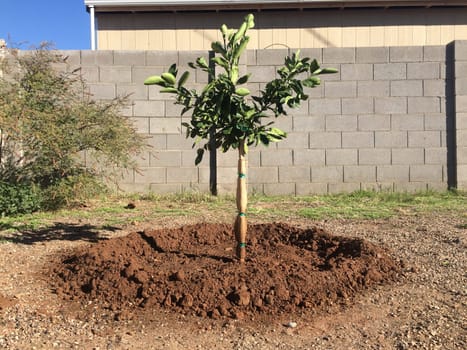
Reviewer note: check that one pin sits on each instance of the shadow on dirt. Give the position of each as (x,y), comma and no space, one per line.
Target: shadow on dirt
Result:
(59,231)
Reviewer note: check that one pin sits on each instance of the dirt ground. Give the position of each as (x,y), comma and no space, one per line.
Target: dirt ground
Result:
(396,283)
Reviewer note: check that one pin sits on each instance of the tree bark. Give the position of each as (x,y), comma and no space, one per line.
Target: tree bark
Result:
(242,195)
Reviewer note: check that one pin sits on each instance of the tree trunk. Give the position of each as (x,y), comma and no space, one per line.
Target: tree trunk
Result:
(241,222)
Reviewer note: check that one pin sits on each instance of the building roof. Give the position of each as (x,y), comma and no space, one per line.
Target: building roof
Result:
(152,5)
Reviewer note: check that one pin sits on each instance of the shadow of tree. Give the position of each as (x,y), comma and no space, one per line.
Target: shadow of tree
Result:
(59,231)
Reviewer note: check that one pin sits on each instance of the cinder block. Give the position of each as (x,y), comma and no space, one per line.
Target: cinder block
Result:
(161,58)
(172,109)
(423,70)
(358,139)
(461,137)
(379,88)
(460,50)
(251,57)
(180,175)
(435,121)
(294,174)
(327,174)
(189,156)
(341,122)
(225,175)
(263,175)
(184,57)
(333,89)
(294,140)
(141,125)
(341,157)
(374,122)
(308,123)
(437,186)
(395,173)
(391,139)
(271,57)
(166,159)
(347,187)
(359,173)
(391,105)
(165,126)
(151,175)
(359,71)
(406,54)
(372,54)
(461,103)
(313,53)
(229,158)
(434,53)
(436,155)
(142,108)
(129,58)
(324,140)
(325,106)
(278,157)
(461,85)
(424,138)
(338,55)
(428,172)
(102,91)
(360,105)
(72,58)
(304,189)
(390,71)
(461,68)
(374,156)
(281,189)
(156,142)
(461,121)
(261,74)
(180,142)
(408,156)
(90,73)
(165,188)
(309,157)
(407,88)
(135,91)
(98,57)
(377,186)
(403,122)
(434,88)
(140,73)
(410,187)
(115,74)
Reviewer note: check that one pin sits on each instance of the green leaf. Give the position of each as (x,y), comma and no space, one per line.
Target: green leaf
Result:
(173,70)
(243,79)
(169,90)
(199,156)
(201,61)
(329,71)
(311,82)
(218,48)
(242,91)
(154,80)
(183,79)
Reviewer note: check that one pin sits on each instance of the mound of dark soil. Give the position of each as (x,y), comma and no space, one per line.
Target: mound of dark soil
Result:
(192,270)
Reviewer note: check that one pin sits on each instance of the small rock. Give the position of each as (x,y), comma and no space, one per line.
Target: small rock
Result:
(291,324)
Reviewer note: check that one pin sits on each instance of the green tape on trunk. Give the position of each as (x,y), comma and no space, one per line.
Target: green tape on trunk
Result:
(241,176)
(242,245)
(241,214)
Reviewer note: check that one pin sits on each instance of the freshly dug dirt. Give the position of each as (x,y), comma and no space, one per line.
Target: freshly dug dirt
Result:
(192,270)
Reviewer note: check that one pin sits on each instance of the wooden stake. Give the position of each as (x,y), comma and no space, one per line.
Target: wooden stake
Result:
(241,222)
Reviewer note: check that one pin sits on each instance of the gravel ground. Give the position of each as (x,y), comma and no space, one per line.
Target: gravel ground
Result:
(426,309)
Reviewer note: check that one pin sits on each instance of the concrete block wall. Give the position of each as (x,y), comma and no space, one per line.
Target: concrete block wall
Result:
(380,123)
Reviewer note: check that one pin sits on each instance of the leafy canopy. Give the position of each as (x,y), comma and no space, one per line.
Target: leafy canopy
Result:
(225,112)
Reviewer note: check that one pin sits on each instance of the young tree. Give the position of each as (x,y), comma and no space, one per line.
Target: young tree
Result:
(227,116)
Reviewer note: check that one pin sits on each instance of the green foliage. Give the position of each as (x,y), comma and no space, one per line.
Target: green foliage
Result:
(224,111)
(18,199)
(54,135)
